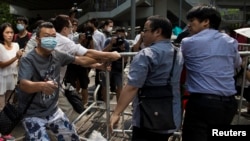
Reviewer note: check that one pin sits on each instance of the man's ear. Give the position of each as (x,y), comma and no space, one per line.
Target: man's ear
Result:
(158,31)
(64,29)
(206,23)
(37,39)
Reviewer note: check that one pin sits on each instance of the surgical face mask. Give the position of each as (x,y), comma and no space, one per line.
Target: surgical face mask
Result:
(20,27)
(110,29)
(48,43)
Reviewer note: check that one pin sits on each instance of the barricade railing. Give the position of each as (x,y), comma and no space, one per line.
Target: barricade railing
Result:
(243,47)
(123,54)
(131,54)
(243,53)
(95,102)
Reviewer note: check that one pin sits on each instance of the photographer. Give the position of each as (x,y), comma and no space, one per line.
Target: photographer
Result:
(86,39)
(117,43)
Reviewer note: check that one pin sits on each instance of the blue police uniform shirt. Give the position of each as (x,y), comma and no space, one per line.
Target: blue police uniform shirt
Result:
(210,58)
(151,66)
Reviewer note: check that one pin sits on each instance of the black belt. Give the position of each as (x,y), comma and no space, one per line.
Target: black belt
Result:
(212,96)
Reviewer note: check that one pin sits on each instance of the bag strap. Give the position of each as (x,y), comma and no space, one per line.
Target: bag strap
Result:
(172,68)
(29,103)
(15,37)
(29,34)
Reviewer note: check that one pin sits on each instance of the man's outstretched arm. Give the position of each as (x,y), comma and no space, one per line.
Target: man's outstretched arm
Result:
(105,56)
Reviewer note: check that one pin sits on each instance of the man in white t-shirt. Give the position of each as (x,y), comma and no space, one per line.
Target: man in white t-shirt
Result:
(63,28)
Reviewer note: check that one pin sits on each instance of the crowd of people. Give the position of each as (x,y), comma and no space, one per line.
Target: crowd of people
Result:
(59,52)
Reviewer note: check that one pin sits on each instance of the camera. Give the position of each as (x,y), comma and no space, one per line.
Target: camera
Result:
(119,41)
(88,35)
(75,8)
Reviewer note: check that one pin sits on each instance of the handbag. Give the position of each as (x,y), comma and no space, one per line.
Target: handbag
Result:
(10,116)
(74,100)
(156,106)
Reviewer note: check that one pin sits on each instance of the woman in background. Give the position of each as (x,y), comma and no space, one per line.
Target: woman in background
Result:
(9,56)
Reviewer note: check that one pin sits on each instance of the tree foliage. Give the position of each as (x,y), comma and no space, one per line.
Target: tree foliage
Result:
(5,15)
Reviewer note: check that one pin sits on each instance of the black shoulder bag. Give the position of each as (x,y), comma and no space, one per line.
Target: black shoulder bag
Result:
(156,105)
(10,116)
(73,98)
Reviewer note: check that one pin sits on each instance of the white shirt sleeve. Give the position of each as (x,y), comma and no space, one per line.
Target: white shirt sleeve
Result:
(68,46)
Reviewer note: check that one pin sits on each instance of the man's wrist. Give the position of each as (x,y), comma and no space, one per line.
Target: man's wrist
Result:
(116,113)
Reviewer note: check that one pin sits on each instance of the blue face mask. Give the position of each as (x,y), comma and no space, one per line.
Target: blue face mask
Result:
(20,27)
(48,43)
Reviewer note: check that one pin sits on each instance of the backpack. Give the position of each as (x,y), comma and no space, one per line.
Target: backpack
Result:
(16,35)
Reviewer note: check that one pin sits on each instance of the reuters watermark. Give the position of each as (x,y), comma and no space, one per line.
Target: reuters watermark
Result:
(239,132)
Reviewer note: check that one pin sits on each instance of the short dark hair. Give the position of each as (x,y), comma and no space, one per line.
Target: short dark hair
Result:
(24,19)
(203,12)
(107,22)
(94,21)
(43,25)
(104,23)
(60,22)
(74,20)
(88,29)
(3,26)
(119,29)
(161,22)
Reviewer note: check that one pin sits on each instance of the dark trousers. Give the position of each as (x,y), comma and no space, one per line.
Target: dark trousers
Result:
(203,112)
(140,134)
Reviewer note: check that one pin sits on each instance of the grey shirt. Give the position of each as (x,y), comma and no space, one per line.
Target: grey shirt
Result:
(151,67)
(35,68)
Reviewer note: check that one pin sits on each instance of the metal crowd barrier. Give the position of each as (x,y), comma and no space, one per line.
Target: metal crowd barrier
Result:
(108,111)
(123,54)
(244,51)
(95,101)
(243,47)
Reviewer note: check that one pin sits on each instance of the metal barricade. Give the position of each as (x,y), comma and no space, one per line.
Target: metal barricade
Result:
(244,50)
(95,102)
(108,111)
(243,47)
(123,54)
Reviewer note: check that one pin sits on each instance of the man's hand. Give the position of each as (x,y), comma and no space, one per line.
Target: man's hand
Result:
(19,53)
(114,56)
(114,119)
(103,66)
(49,87)
(113,41)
